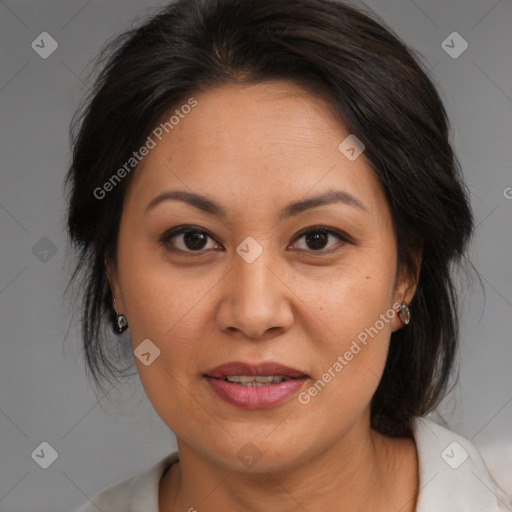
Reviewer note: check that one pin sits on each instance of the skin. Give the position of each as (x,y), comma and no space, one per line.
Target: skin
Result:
(254,149)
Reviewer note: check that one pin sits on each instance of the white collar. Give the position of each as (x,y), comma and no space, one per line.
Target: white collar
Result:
(452,474)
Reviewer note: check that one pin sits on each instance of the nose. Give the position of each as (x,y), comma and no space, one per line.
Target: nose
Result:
(256,300)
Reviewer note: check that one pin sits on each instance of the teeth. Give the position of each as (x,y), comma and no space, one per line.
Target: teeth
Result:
(246,380)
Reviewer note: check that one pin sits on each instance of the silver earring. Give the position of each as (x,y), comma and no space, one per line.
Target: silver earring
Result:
(121,321)
(404,313)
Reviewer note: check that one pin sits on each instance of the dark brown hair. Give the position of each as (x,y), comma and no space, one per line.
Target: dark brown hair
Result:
(381,92)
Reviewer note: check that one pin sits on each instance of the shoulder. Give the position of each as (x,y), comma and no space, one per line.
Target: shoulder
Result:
(139,492)
(452,473)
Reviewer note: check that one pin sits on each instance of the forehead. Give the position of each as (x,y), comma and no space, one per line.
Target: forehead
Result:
(244,122)
(260,141)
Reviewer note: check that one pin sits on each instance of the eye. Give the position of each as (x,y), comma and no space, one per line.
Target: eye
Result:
(188,239)
(317,237)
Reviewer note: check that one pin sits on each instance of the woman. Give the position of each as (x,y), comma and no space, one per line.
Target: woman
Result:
(265,200)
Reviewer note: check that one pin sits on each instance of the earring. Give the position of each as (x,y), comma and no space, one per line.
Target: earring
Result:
(404,313)
(121,321)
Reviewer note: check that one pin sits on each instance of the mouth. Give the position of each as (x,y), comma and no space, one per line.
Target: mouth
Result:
(255,386)
(262,380)
(266,373)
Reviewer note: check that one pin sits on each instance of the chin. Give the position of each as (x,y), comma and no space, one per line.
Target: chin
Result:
(257,454)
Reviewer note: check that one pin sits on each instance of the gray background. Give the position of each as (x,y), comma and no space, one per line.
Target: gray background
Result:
(44,395)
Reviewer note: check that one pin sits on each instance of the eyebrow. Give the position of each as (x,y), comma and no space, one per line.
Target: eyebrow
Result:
(211,207)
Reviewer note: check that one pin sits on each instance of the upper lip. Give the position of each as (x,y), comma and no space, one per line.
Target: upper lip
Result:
(254,369)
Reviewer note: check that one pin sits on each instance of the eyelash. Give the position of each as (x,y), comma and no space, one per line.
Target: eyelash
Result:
(168,235)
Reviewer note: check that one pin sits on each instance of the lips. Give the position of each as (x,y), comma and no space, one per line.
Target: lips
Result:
(269,369)
(255,386)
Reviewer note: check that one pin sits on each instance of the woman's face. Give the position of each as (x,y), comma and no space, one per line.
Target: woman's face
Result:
(253,288)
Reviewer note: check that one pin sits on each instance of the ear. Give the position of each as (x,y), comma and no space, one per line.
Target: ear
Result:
(405,288)
(112,280)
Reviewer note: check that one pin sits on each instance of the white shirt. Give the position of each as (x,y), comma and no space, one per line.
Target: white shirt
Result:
(452,478)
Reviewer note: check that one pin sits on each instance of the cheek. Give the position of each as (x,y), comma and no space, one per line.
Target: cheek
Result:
(161,301)
(354,297)
(351,366)
(171,315)
(358,312)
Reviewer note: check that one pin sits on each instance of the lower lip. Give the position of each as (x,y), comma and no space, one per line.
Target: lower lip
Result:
(255,397)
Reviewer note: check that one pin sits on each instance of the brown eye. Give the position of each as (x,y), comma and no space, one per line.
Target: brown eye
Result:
(185,239)
(194,240)
(316,239)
